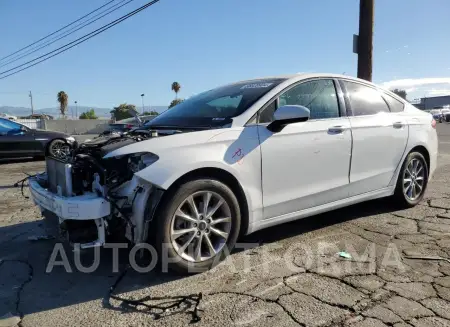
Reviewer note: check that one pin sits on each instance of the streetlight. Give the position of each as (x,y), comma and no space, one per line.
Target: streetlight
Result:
(76,109)
(142,96)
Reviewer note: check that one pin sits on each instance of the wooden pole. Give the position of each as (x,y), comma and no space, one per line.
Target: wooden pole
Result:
(365,40)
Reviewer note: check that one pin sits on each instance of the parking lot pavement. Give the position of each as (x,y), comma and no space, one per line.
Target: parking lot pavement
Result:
(394,270)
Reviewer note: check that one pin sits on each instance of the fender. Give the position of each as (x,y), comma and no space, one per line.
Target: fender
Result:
(235,150)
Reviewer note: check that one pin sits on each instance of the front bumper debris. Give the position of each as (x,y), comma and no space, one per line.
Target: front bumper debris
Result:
(88,206)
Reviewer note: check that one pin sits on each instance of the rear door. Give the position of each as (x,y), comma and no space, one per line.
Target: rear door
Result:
(379,138)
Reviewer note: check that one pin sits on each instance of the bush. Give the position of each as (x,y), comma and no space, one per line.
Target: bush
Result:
(90,114)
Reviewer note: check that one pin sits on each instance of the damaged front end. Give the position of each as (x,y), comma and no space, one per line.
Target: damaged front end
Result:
(95,197)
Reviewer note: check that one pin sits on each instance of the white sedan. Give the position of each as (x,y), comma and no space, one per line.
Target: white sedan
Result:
(242,157)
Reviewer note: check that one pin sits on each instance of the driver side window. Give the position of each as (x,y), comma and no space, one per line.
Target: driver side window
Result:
(318,96)
(9,127)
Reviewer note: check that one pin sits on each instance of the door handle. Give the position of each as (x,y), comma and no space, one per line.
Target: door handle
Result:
(398,124)
(336,129)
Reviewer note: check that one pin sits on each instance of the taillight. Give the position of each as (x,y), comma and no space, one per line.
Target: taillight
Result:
(129,126)
(433,123)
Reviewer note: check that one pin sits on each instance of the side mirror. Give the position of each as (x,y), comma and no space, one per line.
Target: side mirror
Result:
(286,115)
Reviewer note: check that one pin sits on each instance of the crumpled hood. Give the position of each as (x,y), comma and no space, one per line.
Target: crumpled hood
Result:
(156,144)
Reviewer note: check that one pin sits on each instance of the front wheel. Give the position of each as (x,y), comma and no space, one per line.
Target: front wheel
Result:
(412,180)
(197,226)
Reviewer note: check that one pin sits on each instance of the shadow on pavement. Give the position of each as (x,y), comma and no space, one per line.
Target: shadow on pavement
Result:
(65,287)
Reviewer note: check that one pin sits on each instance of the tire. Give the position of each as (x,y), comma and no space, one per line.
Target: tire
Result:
(169,245)
(404,196)
(58,149)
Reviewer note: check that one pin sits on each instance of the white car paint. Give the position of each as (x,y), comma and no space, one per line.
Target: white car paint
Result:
(305,149)
(379,142)
(305,169)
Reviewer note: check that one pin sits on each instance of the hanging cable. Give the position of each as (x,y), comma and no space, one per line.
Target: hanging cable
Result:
(76,42)
(57,30)
(67,33)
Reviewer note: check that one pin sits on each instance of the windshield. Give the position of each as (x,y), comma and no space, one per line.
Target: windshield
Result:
(216,104)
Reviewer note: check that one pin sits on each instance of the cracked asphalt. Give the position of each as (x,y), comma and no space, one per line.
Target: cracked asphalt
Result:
(398,273)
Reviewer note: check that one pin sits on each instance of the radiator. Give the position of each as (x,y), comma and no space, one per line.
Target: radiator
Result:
(59,176)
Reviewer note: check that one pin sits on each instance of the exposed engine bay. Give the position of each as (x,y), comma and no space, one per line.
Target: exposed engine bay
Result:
(123,201)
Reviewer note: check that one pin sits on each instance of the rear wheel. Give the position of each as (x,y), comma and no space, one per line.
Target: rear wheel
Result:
(412,180)
(197,226)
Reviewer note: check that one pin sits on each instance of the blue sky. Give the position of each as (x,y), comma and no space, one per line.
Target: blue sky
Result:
(205,43)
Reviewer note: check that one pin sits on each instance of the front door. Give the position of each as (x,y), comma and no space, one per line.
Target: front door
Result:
(306,164)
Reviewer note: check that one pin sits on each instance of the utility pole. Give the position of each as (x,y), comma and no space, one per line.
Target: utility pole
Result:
(365,39)
(76,109)
(142,96)
(31,101)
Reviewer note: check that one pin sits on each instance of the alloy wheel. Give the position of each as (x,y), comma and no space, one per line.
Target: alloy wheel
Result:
(414,179)
(200,226)
(59,149)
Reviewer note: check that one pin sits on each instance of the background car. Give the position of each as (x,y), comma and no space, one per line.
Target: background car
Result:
(437,115)
(118,128)
(446,114)
(17,140)
(126,125)
(8,116)
(39,116)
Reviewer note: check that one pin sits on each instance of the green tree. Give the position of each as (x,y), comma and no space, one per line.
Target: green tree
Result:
(150,113)
(121,112)
(176,88)
(63,100)
(175,102)
(90,114)
(400,93)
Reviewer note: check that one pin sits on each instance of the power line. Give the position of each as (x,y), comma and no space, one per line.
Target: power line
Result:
(77,41)
(57,30)
(67,33)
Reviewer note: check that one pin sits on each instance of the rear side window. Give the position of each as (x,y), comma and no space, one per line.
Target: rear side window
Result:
(365,100)
(394,104)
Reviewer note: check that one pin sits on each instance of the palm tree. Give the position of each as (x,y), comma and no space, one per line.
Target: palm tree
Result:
(176,88)
(63,100)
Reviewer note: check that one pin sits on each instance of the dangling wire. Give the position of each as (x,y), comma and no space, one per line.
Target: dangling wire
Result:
(22,182)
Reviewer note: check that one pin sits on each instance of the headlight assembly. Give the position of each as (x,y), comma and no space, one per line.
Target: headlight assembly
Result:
(141,160)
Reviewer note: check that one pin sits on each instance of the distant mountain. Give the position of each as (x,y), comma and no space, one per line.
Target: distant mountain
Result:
(100,112)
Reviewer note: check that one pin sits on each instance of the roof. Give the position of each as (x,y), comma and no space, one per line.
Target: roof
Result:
(300,76)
